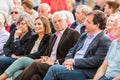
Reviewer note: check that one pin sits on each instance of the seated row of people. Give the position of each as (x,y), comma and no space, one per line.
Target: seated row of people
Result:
(82,19)
(64,38)
(81,61)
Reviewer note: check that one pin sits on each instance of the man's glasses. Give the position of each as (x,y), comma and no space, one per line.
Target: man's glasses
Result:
(14,12)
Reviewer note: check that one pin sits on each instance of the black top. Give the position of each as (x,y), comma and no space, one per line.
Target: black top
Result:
(17,47)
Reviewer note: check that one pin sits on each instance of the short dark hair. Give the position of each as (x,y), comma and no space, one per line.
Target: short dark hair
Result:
(99,18)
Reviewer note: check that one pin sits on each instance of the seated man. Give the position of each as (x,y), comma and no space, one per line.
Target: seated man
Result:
(110,68)
(83,60)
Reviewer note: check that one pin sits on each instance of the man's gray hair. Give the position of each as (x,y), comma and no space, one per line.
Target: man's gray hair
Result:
(20,8)
(47,6)
(63,15)
(69,15)
(85,9)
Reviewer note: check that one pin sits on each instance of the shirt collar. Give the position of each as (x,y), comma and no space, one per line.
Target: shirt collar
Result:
(93,35)
(60,32)
(81,24)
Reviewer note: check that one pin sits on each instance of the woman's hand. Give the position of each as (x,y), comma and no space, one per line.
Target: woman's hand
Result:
(18,33)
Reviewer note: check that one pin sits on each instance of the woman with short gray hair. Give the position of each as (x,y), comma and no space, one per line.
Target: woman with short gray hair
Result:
(17,43)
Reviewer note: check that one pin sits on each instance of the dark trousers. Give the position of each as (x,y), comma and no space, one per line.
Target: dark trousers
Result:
(5,62)
(36,71)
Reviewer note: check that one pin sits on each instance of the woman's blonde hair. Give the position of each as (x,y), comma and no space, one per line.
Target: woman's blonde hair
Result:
(46,24)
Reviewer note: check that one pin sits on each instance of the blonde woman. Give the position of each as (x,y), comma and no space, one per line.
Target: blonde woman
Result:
(110,25)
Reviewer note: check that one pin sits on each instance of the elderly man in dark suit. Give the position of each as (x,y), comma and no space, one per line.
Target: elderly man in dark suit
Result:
(59,45)
(87,55)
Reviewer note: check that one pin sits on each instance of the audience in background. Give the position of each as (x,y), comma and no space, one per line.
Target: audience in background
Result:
(70,17)
(15,13)
(100,5)
(6,6)
(111,7)
(81,14)
(28,7)
(44,10)
(17,3)
(71,6)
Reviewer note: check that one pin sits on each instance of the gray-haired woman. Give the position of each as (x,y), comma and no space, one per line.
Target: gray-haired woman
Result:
(17,42)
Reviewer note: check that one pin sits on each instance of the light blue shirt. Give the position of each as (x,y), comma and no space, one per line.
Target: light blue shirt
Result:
(113,58)
(88,40)
(4,35)
(78,27)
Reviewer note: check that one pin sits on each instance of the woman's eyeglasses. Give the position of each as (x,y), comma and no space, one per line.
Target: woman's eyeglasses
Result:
(14,12)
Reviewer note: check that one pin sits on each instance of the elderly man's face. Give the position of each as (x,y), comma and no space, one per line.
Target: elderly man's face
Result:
(59,22)
(80,16)
(43,11)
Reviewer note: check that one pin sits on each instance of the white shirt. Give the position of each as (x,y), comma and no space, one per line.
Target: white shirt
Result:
(35,47)
(54,49)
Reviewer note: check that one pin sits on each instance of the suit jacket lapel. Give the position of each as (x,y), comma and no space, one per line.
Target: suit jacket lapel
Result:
(43,41)
(63,36)
(81,42)
(95,41)
(51,43)
(26,37)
